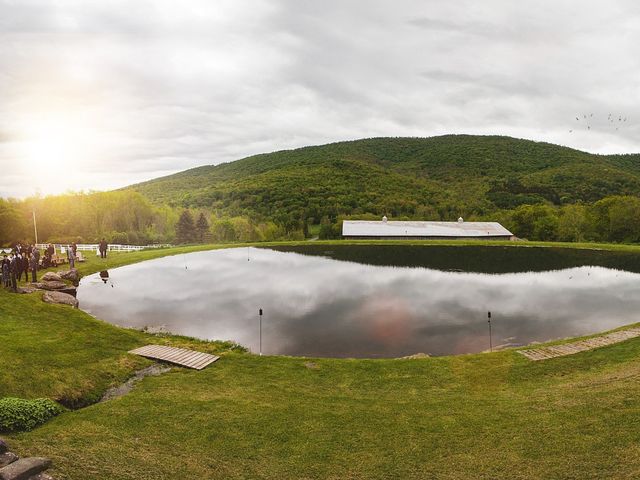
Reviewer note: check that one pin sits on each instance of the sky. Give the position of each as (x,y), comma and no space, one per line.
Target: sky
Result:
(96,95)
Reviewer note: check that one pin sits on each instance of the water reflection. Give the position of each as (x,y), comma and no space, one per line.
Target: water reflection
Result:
(323,307)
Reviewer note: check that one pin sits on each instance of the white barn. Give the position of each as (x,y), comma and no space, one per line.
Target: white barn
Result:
(363,229)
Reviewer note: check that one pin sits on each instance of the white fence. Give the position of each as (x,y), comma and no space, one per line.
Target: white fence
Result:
(112,247)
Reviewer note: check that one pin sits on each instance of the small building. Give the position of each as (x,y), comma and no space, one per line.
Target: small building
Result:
(386,230)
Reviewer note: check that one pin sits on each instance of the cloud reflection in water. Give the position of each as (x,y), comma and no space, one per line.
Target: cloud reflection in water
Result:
(321,307)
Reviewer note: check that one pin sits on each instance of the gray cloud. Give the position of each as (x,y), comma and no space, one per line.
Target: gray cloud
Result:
(125,91)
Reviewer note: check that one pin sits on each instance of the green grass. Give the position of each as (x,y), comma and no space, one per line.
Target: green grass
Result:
(470,416)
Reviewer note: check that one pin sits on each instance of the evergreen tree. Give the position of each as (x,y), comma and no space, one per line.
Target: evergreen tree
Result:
(185,228)
(202,227)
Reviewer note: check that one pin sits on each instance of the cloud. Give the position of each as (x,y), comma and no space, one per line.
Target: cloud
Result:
(153,87)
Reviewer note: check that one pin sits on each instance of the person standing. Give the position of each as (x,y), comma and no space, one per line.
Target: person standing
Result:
(13,270)
(17,262)
(103,248)
(71,256)
(5,271)
(25,265)
(36,252)
(33,264)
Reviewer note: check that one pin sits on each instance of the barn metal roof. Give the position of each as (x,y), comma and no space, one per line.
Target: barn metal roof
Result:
(365,228)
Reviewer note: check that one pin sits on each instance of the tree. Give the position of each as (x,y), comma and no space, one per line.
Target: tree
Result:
(185,228)
(202,227)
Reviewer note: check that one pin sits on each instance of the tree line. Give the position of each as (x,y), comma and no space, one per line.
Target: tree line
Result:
(612,219)
(128,217)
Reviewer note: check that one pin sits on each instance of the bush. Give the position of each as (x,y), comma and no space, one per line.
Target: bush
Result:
(120,238)
(18,414)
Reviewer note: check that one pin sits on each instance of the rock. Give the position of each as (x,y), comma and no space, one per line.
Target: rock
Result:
(50,285)
(69,291)
(51,277)
(41,476)
(415,356)
(72,275)
(27,289)
(24,468)
(6,458)
(3,446)
(61,298)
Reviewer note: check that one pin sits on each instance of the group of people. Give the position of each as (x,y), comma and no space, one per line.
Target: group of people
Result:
(22,259)
(26,258)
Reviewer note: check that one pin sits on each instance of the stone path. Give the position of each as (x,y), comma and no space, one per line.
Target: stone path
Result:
(544,353)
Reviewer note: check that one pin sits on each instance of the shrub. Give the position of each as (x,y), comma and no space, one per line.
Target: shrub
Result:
(18,414)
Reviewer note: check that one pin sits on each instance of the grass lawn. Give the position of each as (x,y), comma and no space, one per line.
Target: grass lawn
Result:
(470,416)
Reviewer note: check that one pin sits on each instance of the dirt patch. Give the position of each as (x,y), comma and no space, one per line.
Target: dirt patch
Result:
(126,387)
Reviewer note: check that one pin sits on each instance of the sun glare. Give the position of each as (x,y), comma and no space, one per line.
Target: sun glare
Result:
(53,149)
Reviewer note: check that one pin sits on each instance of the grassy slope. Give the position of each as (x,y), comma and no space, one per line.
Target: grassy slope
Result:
(480,416)
(65,354)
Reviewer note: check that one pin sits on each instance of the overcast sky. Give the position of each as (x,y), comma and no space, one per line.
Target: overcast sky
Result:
(98,95)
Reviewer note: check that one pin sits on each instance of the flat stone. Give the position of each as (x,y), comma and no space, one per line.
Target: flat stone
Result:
(3,446)
(6,458)
(52,285)
(69,291)
(60,298)
(27,289)
(51,277)
(24,468)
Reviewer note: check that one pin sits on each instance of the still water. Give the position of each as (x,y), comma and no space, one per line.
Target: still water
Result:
(315,305)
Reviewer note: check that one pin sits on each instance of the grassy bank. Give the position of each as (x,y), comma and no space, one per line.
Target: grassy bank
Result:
(471,416)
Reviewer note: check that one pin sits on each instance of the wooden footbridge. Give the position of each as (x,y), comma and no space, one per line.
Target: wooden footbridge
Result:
(179,356)
(544,353)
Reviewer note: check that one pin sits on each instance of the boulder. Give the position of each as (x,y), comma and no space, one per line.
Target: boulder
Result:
(27,289)
(69,291)
(3,446)
(6,458)
(51,285)
(51,277)
(71,275)
(60,298)
(24,468)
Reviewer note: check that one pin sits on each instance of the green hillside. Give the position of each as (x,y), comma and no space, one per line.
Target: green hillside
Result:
(539,191)
(438,177)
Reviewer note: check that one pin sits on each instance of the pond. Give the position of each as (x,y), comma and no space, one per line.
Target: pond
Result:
(373,301)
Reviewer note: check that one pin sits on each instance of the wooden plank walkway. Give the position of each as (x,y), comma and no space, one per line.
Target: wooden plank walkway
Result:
(179,356)
(544,353)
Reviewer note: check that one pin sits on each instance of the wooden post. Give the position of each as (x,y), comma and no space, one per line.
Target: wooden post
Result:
(490,341)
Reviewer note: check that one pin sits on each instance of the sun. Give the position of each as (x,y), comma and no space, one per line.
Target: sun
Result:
(53,149)
(48,149)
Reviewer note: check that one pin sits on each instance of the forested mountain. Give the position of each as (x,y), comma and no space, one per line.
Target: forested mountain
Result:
(538,190)
(432,178)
